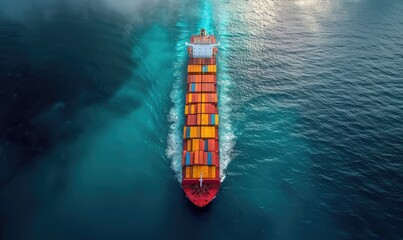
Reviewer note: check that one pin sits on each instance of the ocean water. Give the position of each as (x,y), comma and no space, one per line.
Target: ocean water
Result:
(311,114)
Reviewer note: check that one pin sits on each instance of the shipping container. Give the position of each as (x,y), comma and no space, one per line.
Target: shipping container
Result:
(207,78)
(194,78)
(208,88)
(202,61)
(191,120)
(194,68)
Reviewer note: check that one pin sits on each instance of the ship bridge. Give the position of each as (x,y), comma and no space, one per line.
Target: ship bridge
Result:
(202,46)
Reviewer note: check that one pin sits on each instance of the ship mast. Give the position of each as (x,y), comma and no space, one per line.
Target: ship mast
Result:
(201,179)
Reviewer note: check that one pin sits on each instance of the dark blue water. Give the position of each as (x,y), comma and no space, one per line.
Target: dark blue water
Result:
(311,113)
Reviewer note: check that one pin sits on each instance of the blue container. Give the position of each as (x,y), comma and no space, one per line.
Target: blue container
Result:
(204,69)
(209,158)
(187,158)
(205,145)
(212,119)
(188,132)
(193,87)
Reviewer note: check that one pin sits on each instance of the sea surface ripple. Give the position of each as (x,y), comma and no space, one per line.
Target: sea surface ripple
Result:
(311,116)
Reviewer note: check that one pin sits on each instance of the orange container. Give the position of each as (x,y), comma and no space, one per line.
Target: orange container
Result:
(207,78)
(196,160)
(208,87)
(188,172)
(188,145)
(194,78)
(195,68)
(191,109)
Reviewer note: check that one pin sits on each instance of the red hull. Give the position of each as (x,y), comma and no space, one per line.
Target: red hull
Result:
(201,196)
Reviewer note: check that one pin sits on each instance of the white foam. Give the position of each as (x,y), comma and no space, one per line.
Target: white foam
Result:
(227,136)
(225,83)
(175,117)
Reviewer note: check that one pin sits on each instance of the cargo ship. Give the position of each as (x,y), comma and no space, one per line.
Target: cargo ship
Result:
(200,158)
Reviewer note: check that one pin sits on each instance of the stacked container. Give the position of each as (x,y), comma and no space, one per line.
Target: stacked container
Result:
(200,157)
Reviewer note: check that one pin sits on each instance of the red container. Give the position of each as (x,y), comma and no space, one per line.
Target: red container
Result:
(210,98)
(201,145)
(211,145)
(196,157)
(201,157)
(208,87)
(194,78)
(208,78)
(215,159)
(191,120)
(208,107)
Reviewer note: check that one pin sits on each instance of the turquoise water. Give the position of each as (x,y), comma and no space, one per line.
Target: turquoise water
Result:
(91,101)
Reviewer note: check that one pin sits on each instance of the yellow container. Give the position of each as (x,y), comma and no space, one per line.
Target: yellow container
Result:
(209,132)
(189,97)
(211,172)
(216,119)
(194,68)
(201,171)
(196,171)
(188,172)
(193,132)
(204,119)
(195,144)
(211,68)
(201,107)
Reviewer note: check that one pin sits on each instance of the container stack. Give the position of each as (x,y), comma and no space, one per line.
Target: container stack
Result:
(200,158)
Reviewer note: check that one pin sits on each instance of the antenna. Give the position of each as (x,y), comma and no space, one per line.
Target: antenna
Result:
(201,179)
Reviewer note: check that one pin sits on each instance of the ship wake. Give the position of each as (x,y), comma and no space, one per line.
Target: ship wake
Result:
(176,114)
